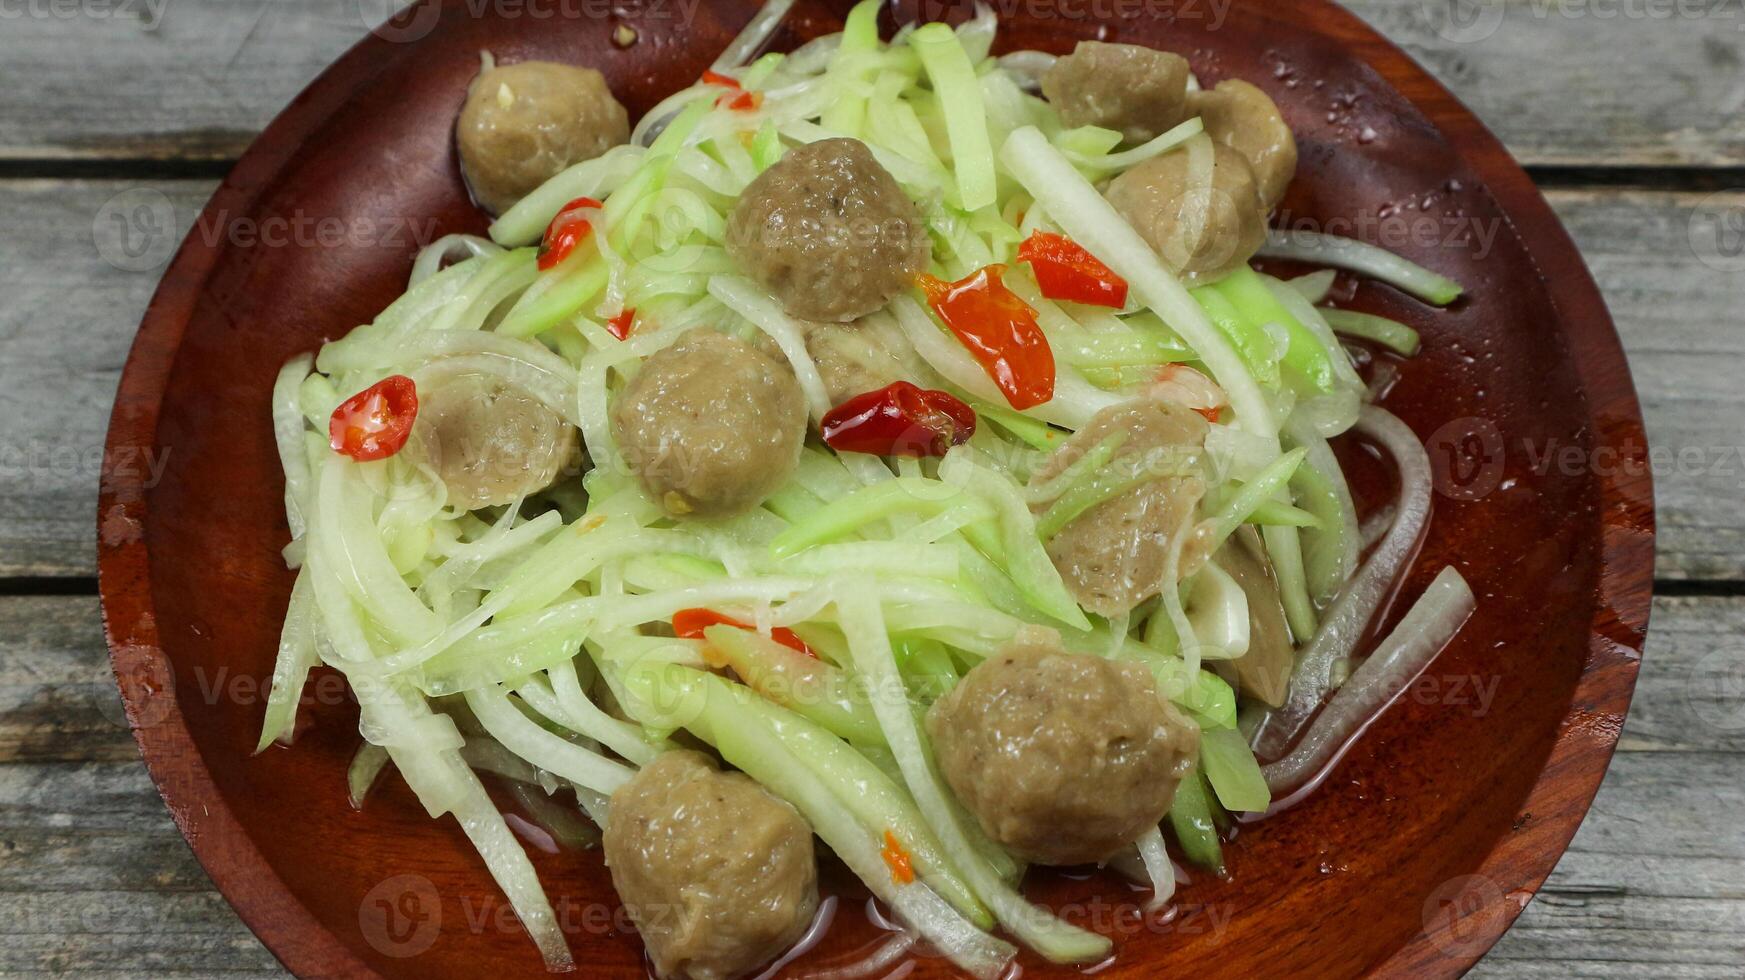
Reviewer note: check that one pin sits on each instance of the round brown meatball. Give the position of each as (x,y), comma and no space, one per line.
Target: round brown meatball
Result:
(1113,556)
(490,441)
(1202,233)
(1139,92)
(829,232)
(1242,117)
(717,874)
(524,123)
(1063,758)
(711,425)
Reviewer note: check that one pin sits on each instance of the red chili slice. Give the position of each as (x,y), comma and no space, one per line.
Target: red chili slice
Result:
(1066,271)
(740,101)
(619,326)
(898,860)
(712,77)
(899,419)
(376,422)
(1000,331)
(690,624)
(565,232)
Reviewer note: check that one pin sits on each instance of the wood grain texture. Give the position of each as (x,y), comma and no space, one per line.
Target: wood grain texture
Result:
(196,79)
(72,314)
(95,878)
(73,302)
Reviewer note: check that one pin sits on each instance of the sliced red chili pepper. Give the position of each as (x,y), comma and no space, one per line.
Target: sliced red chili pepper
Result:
(376,422)
(1000,331)
(898,860)
(899,419)
(740,101)
(619,326)
(690,624)
(1066,271)
(712,77)
(565,232)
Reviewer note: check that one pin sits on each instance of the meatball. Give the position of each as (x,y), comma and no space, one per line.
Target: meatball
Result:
(1063,758)
(1200,232)
(524,123)
(1112,556)
(1264,672)
(1242,117)
(857,357)
(829,232)
(711,425)
(717,874)
(1139,92)
(490,441)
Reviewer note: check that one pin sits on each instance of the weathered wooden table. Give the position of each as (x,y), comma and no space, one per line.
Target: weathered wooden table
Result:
(1628,112)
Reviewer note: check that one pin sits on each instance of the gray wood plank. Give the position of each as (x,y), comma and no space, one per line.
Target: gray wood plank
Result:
(75,299)
(1678,312)
(94,878)
(1602,83)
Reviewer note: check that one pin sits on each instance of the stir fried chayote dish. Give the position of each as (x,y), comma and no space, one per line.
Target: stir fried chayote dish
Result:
(881,453)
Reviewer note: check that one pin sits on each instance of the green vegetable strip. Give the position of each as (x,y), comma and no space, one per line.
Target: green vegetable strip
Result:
(556,297)
(1284,545)
(927,666)
(848,69)
(805,685)
(766,148)
(876,797)
(1034,433)
(1250,341)
(1079,470)
(869,642)
(297,655)
(573,284)
(1306,358)
(553,753)
(793,502)
(1361,257)
(847,515)
(1103,486)
(1190,816)
(1230,766)
(960,99)
(1391,334)
(1018,549)
(1276,513)
(719,715)
(1235,511)
(1328,556)
(1088,141)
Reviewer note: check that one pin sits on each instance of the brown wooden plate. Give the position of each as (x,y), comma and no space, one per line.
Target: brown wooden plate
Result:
(1422,847)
